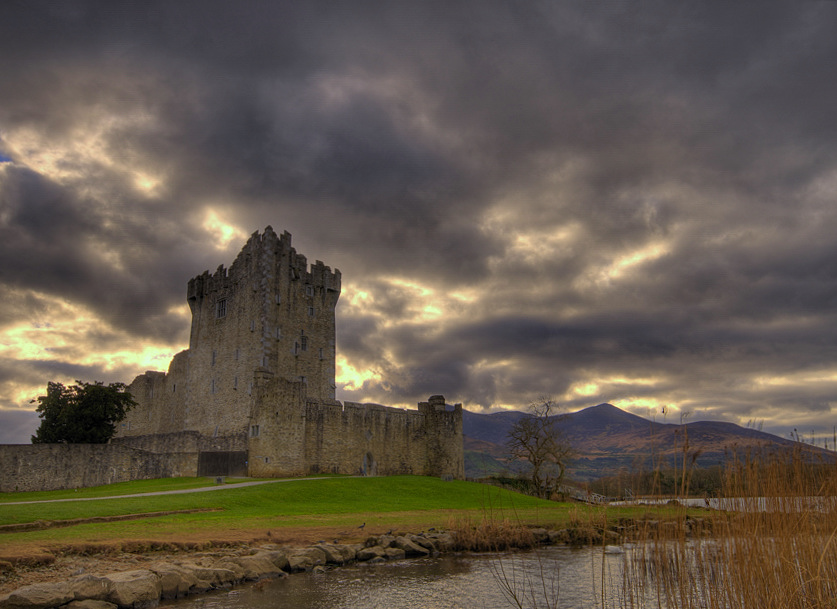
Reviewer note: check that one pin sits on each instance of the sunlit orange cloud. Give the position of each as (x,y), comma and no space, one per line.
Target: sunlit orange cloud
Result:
(223,232)
(352,378)
(86,146)
(63,335)
(426,304)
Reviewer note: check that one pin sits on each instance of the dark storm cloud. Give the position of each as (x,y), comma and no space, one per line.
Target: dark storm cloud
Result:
(618,190)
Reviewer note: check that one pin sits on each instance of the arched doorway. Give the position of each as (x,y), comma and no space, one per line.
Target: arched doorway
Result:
(370,466)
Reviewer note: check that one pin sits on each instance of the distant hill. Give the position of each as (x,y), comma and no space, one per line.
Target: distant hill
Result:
(607,439)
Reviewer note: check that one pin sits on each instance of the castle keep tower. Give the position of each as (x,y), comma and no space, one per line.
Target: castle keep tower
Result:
(268,315)
(255,392)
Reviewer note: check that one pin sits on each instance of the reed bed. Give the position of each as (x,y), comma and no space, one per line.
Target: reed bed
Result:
(776,550)
(490,535)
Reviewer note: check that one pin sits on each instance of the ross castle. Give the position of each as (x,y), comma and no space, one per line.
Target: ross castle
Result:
(253,395)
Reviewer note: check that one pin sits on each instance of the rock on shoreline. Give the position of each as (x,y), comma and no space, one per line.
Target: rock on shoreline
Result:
(145,588)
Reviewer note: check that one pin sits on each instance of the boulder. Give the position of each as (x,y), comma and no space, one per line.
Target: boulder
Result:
(365,554)
(176,581)
(333,556)
(348,552)
(277,557)
(38,596)
(444,541)
(90,604)
(541,535)
(316,555)
(394,553)
(215,577)
(424,542)
(300,562)
(409,547)
(230,565)
(253,567)
(90,587)
(138,589)
(386,541)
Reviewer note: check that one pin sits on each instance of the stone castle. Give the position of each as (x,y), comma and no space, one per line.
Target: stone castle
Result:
(254,393)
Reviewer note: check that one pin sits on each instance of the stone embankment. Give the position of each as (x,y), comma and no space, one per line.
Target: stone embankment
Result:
(144,588)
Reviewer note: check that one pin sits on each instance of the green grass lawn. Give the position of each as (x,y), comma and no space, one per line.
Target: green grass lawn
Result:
(385,502)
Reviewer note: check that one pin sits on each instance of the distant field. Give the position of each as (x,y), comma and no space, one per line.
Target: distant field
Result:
(338,505)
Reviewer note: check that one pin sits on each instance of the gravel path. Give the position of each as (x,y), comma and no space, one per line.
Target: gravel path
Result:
(203,489)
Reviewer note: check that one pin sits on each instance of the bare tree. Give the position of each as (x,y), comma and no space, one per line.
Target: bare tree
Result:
(537,438)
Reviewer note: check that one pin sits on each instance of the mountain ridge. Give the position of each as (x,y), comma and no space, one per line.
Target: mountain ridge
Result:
(607,440)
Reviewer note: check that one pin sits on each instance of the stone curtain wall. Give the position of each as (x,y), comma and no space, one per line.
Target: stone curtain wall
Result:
(46,467)
(444,440)
(294,436)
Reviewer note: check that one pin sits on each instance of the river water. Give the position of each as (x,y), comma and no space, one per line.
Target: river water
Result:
(549,577)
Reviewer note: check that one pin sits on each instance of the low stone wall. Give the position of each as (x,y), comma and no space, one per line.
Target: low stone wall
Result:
(47,467)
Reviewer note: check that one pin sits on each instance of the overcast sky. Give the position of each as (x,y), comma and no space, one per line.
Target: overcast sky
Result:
(624,202)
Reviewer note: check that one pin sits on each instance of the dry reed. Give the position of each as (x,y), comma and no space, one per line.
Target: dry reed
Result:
(774,547)
(490,535)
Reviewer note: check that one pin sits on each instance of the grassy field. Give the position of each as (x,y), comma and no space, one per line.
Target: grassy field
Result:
(281,510)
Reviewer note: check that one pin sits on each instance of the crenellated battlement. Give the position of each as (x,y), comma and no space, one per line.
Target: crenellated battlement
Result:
(261,255)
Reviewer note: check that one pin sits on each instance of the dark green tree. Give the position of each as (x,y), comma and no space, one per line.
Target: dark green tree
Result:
(84,413)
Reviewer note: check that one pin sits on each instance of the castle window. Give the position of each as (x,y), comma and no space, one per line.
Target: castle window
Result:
(214,356)
(321,353)
(237,354)
(254,431)
(220,308)
(303,343)
(173,387)
(212,386)
(235,383)
(252,325)
(278,333)
(303,379)
(278,298)
(310,311)
(309,290)
(296,347)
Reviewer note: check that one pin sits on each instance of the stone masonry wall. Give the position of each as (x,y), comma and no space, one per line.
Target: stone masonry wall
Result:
(44,467)
(295,436)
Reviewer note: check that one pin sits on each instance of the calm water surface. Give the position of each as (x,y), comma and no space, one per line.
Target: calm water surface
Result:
(574,576)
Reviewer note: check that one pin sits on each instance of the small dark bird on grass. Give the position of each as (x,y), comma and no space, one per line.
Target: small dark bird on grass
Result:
(361,526)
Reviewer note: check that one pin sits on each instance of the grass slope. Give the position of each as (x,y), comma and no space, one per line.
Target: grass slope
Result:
(338,505)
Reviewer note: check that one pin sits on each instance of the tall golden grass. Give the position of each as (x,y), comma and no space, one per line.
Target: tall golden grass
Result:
(775,547)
